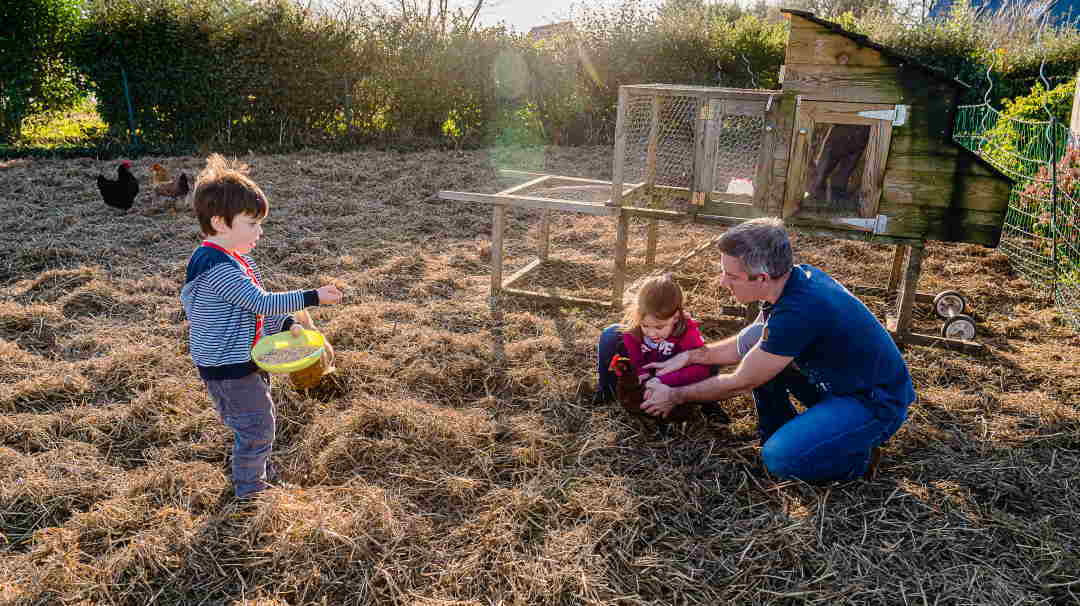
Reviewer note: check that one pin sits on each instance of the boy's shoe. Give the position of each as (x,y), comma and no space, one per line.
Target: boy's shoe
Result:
(715,413)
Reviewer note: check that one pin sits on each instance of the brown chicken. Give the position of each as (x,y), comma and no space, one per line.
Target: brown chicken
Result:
(631,393)
(166,188)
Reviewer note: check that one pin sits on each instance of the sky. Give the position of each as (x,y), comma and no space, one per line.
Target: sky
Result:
(525,14)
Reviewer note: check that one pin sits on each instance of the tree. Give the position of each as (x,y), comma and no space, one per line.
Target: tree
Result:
(35,73)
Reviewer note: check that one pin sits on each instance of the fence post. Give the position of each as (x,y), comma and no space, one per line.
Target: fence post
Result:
(1054,206)
(131,112)
(1074,122)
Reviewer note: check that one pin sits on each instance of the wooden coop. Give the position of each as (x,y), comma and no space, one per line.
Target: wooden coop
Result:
(857,144)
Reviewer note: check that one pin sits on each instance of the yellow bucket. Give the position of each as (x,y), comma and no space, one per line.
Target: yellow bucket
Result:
(285,340)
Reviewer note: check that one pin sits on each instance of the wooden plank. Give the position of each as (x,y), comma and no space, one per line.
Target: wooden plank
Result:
(555,299)
(714,92)
(525,185)
(622,228)
(620,149)
(974,192)
(530,202)
(745,210)
(946,225)
(809,42)
(908,286)
(800,150)
(914,338)
(702,177)
(712,124)
(877,154)
(518,275)
(858,84)
(762,181)
(937,158)
(897,268)
(498,229)
(743,107)
(545,234)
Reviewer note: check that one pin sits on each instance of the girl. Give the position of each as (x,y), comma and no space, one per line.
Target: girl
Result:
(654,329)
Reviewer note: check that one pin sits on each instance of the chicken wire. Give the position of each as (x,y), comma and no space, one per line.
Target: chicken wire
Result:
(676,116)
(581,252)
(1041,232)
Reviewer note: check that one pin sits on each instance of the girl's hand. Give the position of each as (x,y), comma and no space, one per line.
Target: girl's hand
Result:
(643,377)
(329,294)
(671,365)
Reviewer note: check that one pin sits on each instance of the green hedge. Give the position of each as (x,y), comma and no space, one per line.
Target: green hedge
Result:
(241,75)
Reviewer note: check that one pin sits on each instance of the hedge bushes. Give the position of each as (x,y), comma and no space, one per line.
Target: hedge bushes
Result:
(229,73)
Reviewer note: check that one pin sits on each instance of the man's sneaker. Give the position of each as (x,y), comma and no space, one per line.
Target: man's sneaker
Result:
(715,413)
(875,460)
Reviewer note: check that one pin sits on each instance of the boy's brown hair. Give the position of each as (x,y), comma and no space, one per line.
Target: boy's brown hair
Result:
(224,190)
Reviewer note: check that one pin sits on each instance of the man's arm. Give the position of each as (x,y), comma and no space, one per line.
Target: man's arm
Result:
(757,368)
(720,353)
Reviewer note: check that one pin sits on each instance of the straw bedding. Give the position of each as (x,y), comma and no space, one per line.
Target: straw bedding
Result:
(454,457)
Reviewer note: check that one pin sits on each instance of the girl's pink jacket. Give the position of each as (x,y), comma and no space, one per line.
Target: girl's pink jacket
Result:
(641,354)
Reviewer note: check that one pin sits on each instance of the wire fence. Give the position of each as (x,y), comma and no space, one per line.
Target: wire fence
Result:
(1041,234)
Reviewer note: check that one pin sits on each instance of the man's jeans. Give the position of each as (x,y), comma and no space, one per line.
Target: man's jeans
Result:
(831,440)
(244,405)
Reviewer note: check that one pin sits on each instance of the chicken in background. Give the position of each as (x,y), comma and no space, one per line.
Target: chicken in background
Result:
(165,187)
(120,192)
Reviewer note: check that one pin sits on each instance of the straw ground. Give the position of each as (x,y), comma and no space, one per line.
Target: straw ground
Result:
(453,459)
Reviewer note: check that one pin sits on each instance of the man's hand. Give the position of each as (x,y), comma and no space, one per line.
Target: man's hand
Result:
(658,399)
(671,365)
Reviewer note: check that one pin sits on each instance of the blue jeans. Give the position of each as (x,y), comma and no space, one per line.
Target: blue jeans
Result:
(606,348)
(831,440)
(244,405)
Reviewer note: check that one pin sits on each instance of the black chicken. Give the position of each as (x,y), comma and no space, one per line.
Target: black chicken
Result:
(119,193)
(631,393)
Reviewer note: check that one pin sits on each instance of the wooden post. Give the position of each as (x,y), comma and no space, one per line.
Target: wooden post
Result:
(498,228)
(619,279)
(650,179)
(620,149)
(545,234)
(897,268)
(906,299)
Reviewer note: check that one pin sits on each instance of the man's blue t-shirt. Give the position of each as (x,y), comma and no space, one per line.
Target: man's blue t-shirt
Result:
(836,341)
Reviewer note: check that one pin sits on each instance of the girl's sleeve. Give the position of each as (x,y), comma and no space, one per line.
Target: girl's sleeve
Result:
(688,375)
(633,351)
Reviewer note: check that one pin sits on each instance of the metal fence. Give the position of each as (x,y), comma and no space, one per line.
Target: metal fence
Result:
(1041,234)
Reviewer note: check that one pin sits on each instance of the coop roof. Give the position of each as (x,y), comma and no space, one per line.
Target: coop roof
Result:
(884,50)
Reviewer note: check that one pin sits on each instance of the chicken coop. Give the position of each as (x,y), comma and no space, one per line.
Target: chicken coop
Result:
(856,144)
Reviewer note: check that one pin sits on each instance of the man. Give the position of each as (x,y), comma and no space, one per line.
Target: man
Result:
(813,340)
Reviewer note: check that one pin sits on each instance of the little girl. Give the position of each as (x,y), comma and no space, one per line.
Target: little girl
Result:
(654,329)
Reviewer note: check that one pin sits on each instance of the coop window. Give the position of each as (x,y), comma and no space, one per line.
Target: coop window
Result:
(838,159)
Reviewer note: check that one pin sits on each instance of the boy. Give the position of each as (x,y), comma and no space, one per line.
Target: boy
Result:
(228,310)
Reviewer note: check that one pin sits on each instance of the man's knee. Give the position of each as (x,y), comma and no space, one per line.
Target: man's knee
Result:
(779,460)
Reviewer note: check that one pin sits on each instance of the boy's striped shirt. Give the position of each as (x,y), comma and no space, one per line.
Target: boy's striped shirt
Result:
(222,305)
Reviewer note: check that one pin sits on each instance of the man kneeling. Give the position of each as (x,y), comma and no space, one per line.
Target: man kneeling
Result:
(813,340)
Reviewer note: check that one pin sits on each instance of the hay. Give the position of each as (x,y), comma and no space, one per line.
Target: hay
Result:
(455,458)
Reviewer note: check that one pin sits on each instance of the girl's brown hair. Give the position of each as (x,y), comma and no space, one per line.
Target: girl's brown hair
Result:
(660,296)
(224,190)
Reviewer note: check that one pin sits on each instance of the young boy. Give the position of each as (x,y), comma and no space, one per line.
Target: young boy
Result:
(228,310)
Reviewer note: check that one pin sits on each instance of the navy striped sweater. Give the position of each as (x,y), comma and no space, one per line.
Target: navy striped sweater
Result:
(222,305)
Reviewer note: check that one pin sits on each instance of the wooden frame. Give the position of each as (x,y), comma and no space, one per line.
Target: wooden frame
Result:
(808,114)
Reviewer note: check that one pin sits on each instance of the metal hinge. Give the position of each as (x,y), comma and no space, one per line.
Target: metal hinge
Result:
(897,116)
(876,225)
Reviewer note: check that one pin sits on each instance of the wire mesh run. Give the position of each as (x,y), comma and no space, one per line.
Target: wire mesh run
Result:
(1041,234)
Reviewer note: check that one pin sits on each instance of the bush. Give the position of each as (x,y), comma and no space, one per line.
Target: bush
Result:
(35,76)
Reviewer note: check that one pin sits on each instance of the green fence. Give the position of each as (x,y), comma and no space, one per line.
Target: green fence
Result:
(1041,234)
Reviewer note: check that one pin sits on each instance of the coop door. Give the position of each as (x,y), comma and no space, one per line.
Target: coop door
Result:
(837,161)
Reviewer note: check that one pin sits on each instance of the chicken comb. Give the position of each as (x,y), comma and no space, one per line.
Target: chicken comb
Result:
(613,367)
